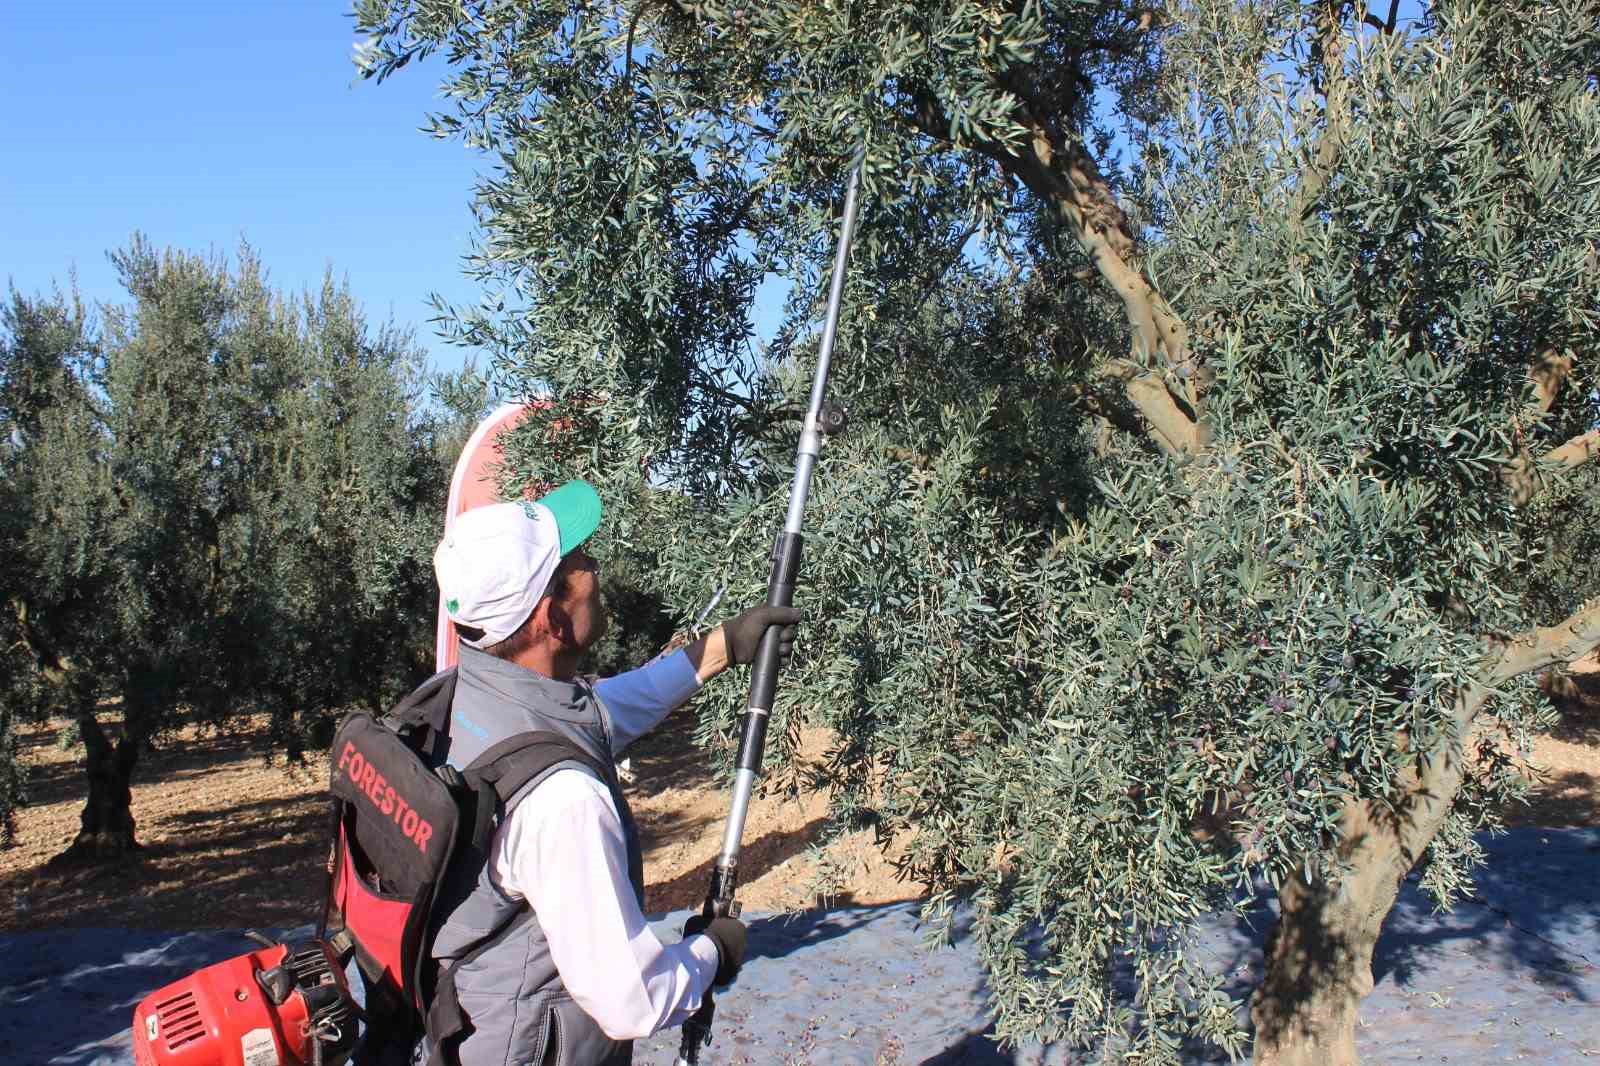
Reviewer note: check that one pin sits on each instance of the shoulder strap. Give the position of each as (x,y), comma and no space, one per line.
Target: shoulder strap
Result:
(498,774)
(494,778)
(421,705)
(513,762)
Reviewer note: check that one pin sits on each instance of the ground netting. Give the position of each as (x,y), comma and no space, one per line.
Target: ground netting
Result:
(1509,976)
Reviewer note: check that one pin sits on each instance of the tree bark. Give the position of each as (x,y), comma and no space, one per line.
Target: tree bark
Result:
(106,825)
(1319,955)
(1319,967)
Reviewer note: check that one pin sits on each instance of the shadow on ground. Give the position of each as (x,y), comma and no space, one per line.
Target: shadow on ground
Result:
(262,857)
(174,758)
(1576,697)
(1509,974)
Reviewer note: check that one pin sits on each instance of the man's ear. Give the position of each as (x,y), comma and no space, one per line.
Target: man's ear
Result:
(552,620)
(539,619)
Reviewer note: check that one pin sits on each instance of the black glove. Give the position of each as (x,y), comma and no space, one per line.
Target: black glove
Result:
(743,633)
(728,935)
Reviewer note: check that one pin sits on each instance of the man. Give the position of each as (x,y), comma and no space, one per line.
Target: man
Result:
(577,974)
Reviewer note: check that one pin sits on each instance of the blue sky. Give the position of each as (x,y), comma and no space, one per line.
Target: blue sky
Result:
(204,123)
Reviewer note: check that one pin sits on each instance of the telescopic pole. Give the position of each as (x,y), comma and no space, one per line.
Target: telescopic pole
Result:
(821,419)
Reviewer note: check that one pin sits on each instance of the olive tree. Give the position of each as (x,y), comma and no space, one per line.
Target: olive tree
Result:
(46,365)
(1220,450)
(219,499)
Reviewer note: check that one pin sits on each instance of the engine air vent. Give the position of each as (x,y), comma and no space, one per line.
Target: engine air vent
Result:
(180,1021)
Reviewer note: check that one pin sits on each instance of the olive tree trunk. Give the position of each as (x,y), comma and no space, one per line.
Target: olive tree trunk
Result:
(106,825)
(1319,954)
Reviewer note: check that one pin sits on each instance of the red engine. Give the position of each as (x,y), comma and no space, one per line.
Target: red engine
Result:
(284,1005)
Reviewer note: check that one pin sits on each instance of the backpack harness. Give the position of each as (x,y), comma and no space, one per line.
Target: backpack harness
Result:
(412,833)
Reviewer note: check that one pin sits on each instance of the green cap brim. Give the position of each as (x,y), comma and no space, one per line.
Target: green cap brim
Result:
(576,507)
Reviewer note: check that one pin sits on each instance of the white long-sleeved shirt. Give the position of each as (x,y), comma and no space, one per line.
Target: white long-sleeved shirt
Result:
(562,849)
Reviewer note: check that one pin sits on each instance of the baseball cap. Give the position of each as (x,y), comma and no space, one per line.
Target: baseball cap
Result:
(495,562)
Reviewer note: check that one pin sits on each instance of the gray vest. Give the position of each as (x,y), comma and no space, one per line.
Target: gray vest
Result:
(520,1014)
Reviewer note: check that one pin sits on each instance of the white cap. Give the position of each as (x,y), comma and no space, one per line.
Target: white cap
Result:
(494,564)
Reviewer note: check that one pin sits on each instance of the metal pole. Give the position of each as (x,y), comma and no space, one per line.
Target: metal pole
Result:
(820,419)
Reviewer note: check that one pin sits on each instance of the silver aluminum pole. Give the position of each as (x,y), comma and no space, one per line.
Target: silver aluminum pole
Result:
(820,420)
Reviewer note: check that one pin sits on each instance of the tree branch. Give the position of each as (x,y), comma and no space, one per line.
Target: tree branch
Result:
(1429,790)
(1169,424)
(52,664)
(1068,177)
(703,382)
(1115,415)
(1575,452)
(757,423)
(1385,26)
(1549,374)
(1522,474)
(627,70)
(1327,57)
(1567,641)
(1439,777)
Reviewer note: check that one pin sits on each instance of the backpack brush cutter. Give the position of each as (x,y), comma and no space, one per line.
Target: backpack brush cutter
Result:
(402,824)
(281,1005)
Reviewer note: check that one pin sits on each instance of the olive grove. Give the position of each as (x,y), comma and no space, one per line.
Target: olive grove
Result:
(218,499)
(1221,471)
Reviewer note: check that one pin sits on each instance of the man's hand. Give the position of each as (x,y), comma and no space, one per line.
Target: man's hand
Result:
(737,640)
(729,935)
(744,633)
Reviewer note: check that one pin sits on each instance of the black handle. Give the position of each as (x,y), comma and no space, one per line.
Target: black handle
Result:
(764,671)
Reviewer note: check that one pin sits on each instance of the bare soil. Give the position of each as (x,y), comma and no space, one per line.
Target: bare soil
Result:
(233,838)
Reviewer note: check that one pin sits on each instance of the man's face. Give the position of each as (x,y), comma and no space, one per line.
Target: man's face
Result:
(580,603)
